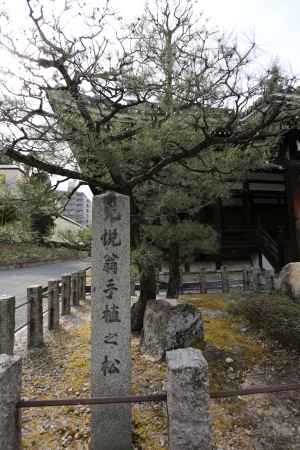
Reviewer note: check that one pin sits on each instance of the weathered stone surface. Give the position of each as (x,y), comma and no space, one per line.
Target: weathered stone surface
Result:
(35,329)
(53,305)
(288,282)
(168,327)
(75,300)
(213,353)
(111,359)
(188,400)
(82,275)
(66,294)
(10,388)
(7,324)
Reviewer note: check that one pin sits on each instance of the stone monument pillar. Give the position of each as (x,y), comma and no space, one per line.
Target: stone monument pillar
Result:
(188,400)
(111,358)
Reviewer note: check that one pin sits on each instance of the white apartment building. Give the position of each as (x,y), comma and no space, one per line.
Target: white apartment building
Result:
(79,209)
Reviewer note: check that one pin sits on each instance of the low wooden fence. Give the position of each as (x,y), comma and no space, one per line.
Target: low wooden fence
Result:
(60,295)
(222,280)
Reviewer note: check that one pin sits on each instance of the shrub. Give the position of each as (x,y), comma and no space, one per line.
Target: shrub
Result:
(277,316)
(78,239)
(16,232)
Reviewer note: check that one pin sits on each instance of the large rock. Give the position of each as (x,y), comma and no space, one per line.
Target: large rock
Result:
(168,327)
(288,282)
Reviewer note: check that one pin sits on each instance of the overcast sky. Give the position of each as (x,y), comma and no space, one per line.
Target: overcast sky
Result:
(273,23)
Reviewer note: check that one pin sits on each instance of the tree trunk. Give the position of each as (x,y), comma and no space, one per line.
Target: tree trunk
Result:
(147,278)
(174,272)
(147,292)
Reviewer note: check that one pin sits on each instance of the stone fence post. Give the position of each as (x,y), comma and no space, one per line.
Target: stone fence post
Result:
(35,331)
(188,400)
(7,324)
(10,388)
(53,304)
(66,294)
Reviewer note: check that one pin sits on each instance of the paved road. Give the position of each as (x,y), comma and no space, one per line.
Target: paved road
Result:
(15,281)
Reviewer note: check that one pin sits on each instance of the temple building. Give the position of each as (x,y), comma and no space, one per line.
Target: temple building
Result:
(260,222)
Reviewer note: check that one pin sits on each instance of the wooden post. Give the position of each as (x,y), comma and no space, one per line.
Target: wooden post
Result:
(10,392)
(245,280)
(293,197)
(66,294)
(203,281)
(35,330)
(254,280)
(82,285)
(53,304)
(7,324)
(225,279)
(74,289)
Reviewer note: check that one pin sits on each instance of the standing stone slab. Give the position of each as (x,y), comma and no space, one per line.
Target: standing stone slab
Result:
(65,294)
(10,388)
(7,324)
(111,360)
(53,305)
(35,330)
(188,400)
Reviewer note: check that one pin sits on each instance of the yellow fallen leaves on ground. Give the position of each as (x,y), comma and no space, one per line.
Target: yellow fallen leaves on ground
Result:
(62,370)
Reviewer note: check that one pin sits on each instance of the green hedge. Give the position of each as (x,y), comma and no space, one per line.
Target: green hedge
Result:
(277,316)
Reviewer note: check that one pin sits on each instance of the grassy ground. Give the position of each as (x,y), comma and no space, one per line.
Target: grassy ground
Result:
(12,254)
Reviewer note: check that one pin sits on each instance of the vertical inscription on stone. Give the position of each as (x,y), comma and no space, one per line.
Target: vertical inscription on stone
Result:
(111,359)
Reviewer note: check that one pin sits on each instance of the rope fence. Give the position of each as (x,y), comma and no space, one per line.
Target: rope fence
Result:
(20,306)
(160,397)
(60,295)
